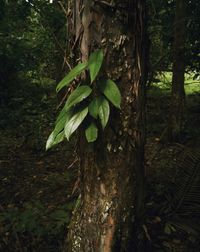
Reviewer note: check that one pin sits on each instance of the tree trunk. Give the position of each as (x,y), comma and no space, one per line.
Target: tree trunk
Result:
(112,169)
(178,92)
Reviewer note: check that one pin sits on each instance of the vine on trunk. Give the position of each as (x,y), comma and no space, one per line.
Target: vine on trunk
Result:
(87,105)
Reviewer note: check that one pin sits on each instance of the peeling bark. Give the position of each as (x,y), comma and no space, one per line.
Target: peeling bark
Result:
(112,169)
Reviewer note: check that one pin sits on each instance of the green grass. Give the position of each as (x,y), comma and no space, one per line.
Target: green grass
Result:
(165,79)
(191,86)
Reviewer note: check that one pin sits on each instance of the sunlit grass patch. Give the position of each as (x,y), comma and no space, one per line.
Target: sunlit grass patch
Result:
(164,82)
(192,85)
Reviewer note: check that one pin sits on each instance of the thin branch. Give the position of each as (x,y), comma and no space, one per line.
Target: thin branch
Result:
(63,8)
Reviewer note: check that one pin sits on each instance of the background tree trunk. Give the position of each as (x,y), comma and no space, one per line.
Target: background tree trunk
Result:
(112,169)
(178,93)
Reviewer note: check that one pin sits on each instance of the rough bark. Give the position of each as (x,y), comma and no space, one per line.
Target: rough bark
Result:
(112,169)
(178,94)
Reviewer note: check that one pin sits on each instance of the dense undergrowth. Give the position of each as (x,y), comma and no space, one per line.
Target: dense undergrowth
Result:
(169,229)
(36,194)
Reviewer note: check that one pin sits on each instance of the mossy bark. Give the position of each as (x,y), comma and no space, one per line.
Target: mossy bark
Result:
(112,169)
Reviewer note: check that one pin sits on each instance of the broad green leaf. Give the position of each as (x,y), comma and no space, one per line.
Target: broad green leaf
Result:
(91,133)
(94,106)
(104,112)
(111,91)
(74,122)
(57,135)
(71,76)
(61,114)
(94,63)
(60,124)
(79,94)
(54,139)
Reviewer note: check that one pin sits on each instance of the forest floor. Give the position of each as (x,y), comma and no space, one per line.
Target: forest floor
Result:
(37,187)
(173,172)
(36,193)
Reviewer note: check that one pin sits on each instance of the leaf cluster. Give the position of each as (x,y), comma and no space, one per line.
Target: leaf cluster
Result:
(87,103)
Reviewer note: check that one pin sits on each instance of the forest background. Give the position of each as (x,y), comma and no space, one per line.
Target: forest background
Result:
(39,190)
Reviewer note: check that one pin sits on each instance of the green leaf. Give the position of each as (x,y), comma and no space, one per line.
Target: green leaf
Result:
(54,139)
(111,91)
(104,112)
(74,122)
(71,76)
(64,113)
(61,114)
(94,63)
(60,124)
(57,135)
(91,133)
(94,106)
(79,94)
